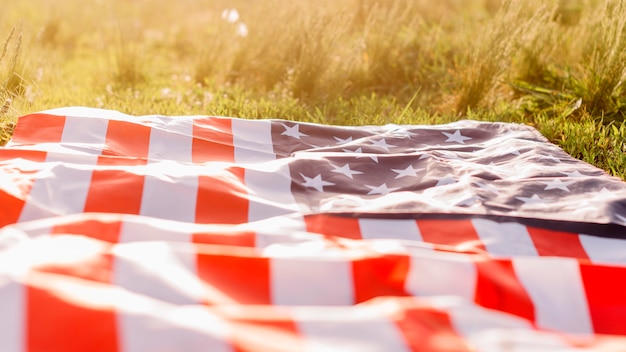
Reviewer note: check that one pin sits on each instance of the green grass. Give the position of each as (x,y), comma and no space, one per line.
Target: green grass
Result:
(557,65)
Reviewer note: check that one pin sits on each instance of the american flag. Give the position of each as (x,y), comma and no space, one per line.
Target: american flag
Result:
(196,233)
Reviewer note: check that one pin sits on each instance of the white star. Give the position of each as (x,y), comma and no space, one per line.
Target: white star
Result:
(447,180)
(359,150)
(532,200)
(316,182)
(449,155)
(583,207)
(456,137)
(293,131)
(550,157)
(511,151)
(572,174)
(382,189)
(346,171)
(528,168)
(557,184)
(399,131)
(487,187)
(602,195)
(315,146)
(424,156)
(382,143)
(469,201)
(408,172)
(597,196)
(343,141)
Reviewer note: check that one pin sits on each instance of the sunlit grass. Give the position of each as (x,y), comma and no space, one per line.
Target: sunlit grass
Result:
(558,65)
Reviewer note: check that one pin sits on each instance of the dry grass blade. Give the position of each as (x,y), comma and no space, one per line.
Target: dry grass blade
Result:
(13,81)
(17,49)
(5,107)
(6,126)
(6,130)
(5,47)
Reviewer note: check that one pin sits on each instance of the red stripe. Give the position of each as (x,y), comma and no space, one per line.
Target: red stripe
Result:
(427,329)
(30,155)
(605,343)
(12,200)
(57,322)
(13,195)
(212,140)
(115,191)
(238,273)
(266,331)
(459,234)
(100,229)
(330,225)
(556,243)
(226,237)
(12,206)
(380,276)
(112,160)
(222,198)
(497,287)
(38,128)
(97,268)
(127,139)
(606,296)
(60,320)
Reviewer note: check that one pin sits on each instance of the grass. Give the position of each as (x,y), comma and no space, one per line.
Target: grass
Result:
(557,65)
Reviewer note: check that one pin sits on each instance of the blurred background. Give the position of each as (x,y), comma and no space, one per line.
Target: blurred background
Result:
(558,65)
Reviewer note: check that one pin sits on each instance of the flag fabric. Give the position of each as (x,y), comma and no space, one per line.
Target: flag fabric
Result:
(196,233)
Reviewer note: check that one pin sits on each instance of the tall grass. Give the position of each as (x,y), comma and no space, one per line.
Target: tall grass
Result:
(11,82)
(585,62)
(490,55)
(558,65)
(601,81)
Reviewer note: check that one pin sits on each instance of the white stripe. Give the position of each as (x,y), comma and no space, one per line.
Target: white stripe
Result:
(519,340)
(487,330)
(604,250)
(556,289)
(170,139)
(269,191)
(350,329)
(141,229)
(33,229)
(164,271)
(12,315)
(390,229)
(306,281)
(438,273)
(152,327)
(252,140)
(82,130)
(59,188)
(170,191)
(279,230)
(505,239)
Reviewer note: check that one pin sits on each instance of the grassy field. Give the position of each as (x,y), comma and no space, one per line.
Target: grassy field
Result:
(557,65)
